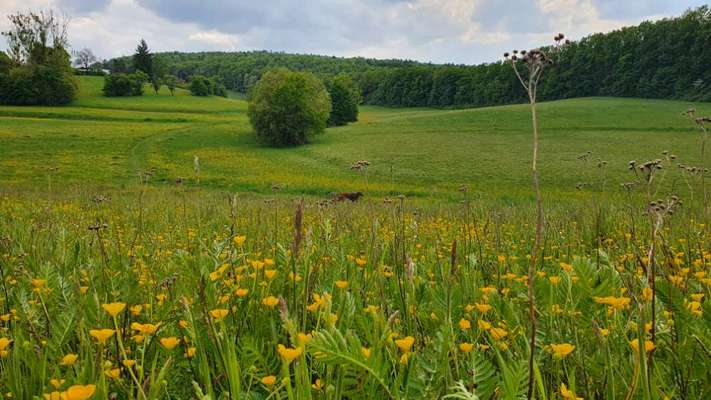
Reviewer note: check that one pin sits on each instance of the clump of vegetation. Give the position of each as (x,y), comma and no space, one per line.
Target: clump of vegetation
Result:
(345,96)
(288,108)
(203,86)
(118,85)
(37,70)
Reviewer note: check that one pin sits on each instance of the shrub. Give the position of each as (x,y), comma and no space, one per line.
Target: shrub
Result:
(37,85)
(345,97)
(288,108)
(117,85)
(201,85)
(35,72)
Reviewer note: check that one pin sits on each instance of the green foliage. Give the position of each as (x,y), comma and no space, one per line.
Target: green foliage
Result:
(118,85)
(201,86)
(662,59)
(42,84)
(39,71)
(5,63)
(219,89)
(143,59)
(288,108)
(345,97)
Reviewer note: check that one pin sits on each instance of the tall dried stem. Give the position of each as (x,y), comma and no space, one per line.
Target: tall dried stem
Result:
(528,67)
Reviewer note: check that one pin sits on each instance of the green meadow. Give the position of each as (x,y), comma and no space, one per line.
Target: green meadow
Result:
(106,142)
(240,283)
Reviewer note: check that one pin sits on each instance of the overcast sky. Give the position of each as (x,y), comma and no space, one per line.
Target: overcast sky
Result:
(441,31)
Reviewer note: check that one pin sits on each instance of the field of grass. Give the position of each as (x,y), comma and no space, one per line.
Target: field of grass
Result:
(115,288)
(106,142)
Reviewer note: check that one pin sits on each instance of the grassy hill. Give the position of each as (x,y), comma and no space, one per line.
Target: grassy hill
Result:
(104,142)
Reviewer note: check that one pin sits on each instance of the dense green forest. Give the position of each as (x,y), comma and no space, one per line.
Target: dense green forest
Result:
(669,58)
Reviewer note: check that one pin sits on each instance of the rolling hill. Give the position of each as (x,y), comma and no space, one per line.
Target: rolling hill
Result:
(105,142)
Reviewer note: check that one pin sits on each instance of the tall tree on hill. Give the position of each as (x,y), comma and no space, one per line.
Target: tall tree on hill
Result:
(345,97)
(143,59)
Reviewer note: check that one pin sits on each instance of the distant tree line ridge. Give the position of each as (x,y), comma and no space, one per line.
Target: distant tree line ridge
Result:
(669,59)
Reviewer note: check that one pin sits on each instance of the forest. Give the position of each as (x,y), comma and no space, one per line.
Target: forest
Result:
(666,59)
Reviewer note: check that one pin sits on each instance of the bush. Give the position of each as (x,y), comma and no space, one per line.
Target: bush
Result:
(201,85)
(345,97)
(50,83)
(37,85)
(118,85)
(288,108)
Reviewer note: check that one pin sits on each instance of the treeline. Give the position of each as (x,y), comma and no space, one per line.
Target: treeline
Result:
(240,71)
(669,58)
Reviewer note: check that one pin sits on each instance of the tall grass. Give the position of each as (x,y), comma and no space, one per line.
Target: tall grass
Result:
(211,296)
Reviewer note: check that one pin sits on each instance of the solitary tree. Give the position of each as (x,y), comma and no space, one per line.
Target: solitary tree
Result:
(288,108)
(143,59)
(84,58)
(345,97)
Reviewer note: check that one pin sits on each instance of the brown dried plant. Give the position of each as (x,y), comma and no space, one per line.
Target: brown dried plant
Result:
(529,67)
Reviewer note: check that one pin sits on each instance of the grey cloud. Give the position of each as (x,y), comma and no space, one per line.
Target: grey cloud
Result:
(512,16)
(83,6)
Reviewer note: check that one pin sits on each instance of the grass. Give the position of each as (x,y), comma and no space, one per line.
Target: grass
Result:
(105,142)
(226,289)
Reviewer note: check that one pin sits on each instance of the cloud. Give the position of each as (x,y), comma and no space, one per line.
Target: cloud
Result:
(455,31)
(83,6)
(215,39)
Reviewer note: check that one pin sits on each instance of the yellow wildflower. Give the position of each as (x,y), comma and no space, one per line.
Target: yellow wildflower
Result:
(239,240)
(289,354)
(102,335)
(464,324)
(114,308)
(648,345)
(169,342)
(405,344)
(219,313)
(68,360)
(269,380)
(79,392)
(466,347)
(562,350)
(270,301)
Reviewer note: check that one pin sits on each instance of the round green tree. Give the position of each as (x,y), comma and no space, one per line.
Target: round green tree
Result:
(345,97)
(288,108)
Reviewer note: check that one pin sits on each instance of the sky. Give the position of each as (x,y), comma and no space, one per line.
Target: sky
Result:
(439,31)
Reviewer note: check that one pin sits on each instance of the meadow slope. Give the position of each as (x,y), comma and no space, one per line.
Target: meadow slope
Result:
(105,142)
(114,289)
